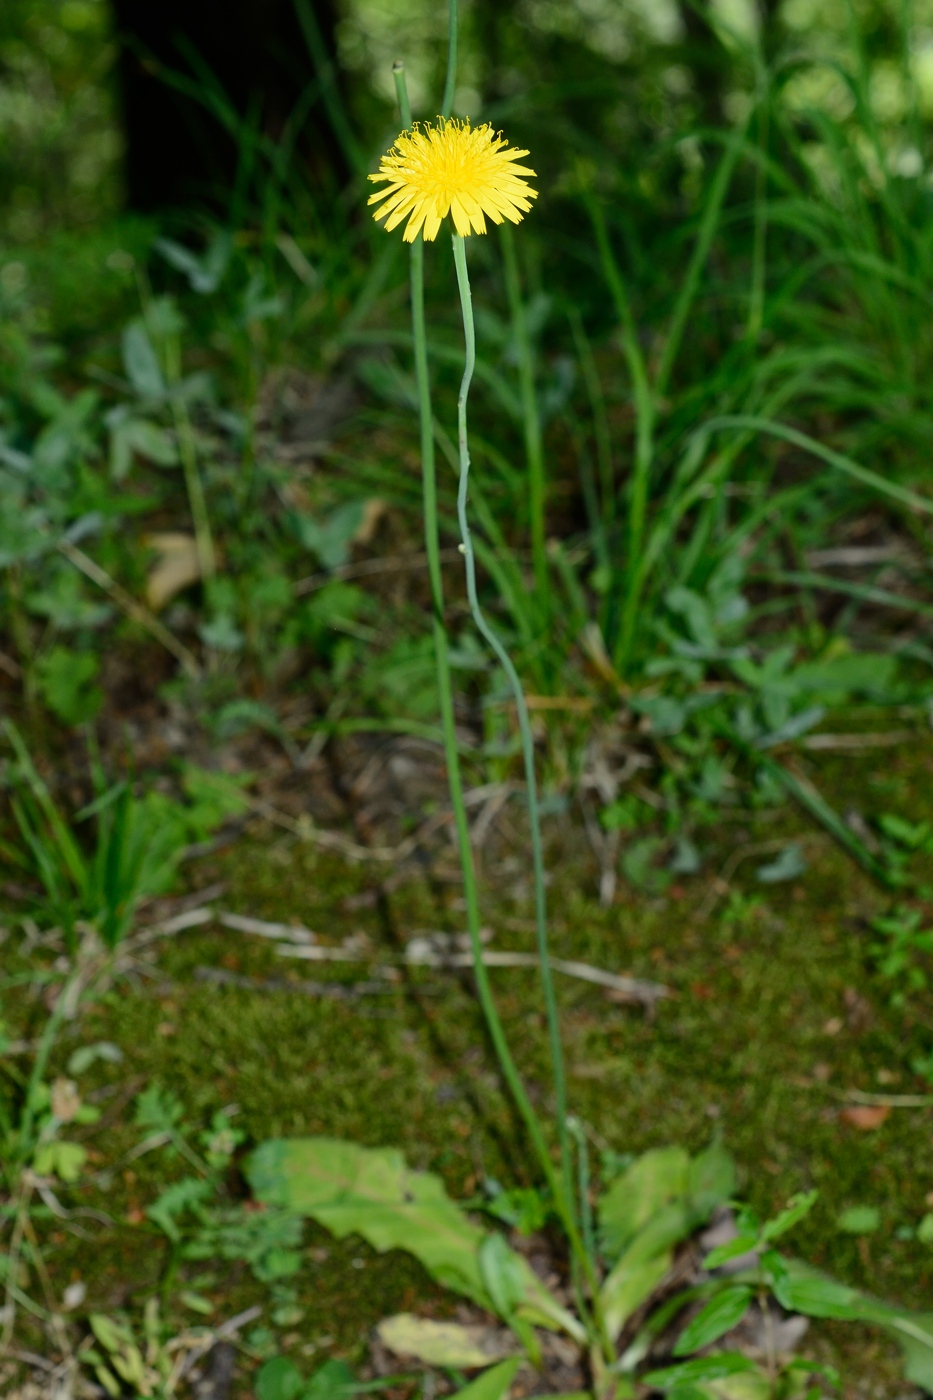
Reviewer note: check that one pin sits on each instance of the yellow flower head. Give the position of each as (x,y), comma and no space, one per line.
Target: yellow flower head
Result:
(455,169)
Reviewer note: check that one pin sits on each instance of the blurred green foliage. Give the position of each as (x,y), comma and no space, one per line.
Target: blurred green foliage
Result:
(59,139)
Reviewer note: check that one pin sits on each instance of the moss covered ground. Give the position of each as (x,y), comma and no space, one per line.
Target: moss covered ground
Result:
(778,1012)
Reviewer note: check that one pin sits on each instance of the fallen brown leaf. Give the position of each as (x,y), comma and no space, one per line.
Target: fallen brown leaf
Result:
(177,568)
(865,1117)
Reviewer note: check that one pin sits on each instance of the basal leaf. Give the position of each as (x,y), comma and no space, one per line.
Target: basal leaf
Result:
(703,1369)
(492,1384)
(719,1316)
(628,1285)
(658,1178)
(371,1192)
(502,1273)
(444,1343)
(914,1332)
(820,1297)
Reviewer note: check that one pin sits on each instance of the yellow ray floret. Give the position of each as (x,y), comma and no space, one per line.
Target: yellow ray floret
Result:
(451,168)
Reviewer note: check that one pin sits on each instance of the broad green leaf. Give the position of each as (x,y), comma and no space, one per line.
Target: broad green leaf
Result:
(720,1315)
(668,1227)
(492,1384)
(658,1178)
(141,362)
(442,1343)
(820,1297)
(703,1369)
(502,1274)
(628,1285)
(279,1379)
(371,1192)
(334,1378)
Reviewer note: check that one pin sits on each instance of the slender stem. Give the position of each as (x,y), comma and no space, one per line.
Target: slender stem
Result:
(445,692)
(204,541)
(531,419)
(524,723)
(450,82)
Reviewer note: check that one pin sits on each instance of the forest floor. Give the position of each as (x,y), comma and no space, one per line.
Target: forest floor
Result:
(778,1033)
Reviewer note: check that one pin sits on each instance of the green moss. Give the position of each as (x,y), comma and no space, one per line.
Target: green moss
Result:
(776,1013)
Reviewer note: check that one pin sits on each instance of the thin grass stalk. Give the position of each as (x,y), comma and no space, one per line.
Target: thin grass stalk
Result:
(450,82)
(524,722)
(701,252)
(187,450)
(494,1026)
(325,70)
(597,400)
(756,304)
(531,420)
(645,415)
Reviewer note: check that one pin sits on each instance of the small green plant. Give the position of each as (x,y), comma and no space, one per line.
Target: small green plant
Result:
(902,953)
(196,1213)
(138,843)
(642,1218)
(37,1157)
(149,1362)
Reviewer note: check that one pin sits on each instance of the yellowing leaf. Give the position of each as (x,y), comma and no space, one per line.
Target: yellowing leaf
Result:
(444,1343)
(371,1192)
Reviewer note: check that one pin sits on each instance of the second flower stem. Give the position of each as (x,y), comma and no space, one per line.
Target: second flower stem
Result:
(524,723)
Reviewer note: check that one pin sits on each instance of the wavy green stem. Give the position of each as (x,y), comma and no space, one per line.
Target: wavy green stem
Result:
(524,722)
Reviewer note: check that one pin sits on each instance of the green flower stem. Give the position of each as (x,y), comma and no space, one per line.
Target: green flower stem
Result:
(450,82)
(558,1182)
(524,724)
(445,686)
(531,419)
